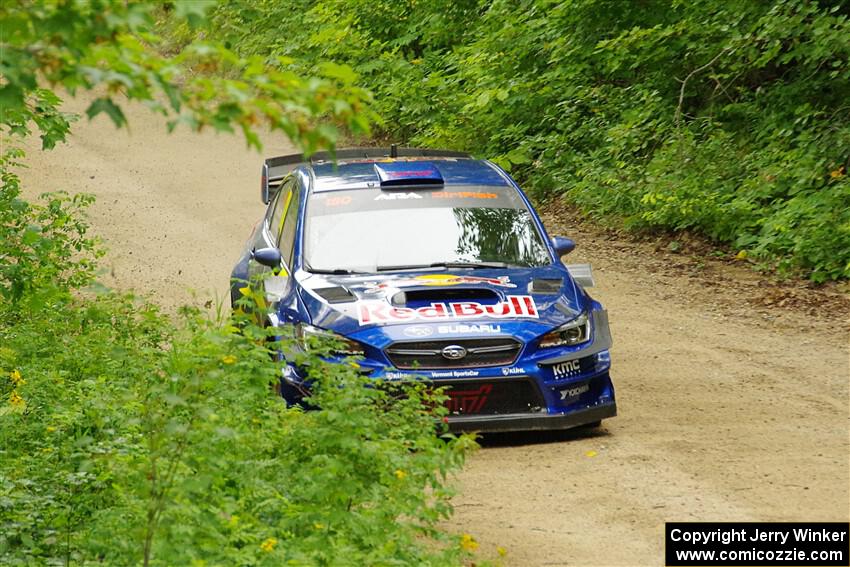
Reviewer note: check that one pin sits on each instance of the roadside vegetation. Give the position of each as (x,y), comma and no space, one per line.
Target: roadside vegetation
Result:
(729,119)
(131,437)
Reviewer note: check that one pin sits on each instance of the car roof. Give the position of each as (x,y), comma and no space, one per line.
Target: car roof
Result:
(366,173)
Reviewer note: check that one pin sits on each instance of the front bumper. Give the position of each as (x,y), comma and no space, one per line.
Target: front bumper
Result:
(541,390)
(531,422)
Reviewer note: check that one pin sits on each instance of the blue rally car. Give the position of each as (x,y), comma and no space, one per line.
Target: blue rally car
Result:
(432,265)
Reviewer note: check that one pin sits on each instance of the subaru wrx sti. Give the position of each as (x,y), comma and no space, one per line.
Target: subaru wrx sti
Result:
(431,265)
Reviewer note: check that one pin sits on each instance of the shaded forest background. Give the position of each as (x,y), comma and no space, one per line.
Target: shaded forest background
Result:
(731,119)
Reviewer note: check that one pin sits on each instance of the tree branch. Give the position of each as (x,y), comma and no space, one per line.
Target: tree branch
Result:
(678,117)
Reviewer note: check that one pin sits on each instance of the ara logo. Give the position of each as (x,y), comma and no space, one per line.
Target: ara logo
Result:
(574,392)
(375,311)
(396,196)
(568,368)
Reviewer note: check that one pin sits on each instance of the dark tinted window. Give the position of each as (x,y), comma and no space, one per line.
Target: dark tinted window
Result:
(362,229)
(280,201)
(286,237)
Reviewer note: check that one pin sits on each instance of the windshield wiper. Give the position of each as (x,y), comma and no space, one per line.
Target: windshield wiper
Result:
(475,265)
(402,267)
(337,272)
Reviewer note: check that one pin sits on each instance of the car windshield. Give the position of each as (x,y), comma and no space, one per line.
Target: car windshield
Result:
(368,230)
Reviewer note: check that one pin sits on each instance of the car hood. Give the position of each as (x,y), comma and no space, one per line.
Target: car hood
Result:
(382,308)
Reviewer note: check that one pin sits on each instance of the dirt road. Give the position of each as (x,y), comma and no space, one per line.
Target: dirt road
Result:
(733,394)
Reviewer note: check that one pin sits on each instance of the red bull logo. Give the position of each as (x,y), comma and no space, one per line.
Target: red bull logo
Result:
(369,312)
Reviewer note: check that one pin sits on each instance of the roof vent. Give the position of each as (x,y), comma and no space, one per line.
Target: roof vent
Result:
(408,175)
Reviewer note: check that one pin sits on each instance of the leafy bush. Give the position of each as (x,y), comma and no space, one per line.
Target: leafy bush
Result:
(126,437)
(42,243)
(727,118)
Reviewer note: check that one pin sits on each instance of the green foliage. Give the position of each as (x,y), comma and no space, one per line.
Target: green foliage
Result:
(112,45)
(45,245)
(128,438)
(727,118)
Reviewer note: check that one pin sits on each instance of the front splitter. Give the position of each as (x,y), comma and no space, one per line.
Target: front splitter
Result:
(531,422)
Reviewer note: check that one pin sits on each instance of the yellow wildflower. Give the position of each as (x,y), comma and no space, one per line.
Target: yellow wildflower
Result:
(319,526)
(269,544)
(501,551)
(468,542)
(16,378)
(16,400)
(228,359)
(50,429)
(400,474)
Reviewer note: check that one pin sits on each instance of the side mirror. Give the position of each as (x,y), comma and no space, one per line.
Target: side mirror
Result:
(268,257)
(563,245)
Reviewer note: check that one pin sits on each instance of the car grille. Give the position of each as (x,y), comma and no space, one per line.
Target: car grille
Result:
(492,397)
(427,355)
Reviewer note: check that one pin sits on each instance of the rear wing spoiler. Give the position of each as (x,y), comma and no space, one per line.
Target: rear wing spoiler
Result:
(276,169)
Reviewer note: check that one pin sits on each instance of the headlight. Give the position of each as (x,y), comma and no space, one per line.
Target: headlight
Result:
(575,332)
(316,339)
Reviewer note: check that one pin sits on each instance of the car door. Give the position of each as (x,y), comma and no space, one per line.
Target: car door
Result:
(279,230)
(288,224)
(268,236)
(282,287)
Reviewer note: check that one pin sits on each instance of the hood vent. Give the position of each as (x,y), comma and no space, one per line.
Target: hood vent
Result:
(548,286)
(336,294)
(426,296)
